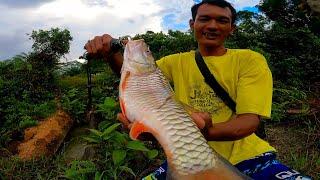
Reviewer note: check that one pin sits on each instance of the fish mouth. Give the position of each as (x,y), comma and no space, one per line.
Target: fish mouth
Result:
(211,35)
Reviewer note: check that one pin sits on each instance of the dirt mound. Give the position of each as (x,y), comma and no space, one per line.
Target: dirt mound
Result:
(45,139)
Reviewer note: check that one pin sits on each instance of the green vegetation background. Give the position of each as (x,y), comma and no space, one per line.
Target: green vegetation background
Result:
(34,85)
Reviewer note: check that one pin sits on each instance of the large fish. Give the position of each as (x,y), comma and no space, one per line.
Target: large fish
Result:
(147,100)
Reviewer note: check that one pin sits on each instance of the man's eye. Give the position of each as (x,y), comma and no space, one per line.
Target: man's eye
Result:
(203,19)
(223,21)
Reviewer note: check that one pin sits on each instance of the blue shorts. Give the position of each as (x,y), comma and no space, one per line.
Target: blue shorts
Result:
(263,167)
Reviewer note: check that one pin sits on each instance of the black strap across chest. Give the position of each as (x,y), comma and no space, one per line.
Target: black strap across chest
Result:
(220,92)
(212,82)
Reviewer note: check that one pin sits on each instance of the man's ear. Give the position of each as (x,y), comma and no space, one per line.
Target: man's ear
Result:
(233,28)
(191,24)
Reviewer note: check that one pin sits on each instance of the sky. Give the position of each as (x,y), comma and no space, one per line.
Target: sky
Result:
(88,18)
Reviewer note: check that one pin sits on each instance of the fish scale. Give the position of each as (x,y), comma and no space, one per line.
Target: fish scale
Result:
(152,91)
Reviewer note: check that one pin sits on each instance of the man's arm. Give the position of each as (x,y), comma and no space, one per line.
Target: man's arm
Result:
(115,62)
(238,127)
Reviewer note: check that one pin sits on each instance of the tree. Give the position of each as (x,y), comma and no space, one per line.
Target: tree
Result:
(250,31)
(48,47)
(291,13)
(164,44)
(54,42)
(293,42)
(311,6)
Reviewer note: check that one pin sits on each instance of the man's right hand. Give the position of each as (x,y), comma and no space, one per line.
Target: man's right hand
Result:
(99,46)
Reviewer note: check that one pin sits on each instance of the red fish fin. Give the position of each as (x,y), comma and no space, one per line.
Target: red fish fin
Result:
(122,106)
(137,129)
(125,81)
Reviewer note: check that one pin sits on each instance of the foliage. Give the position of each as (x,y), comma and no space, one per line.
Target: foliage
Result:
(44,168)
(105,82)
(291,51)
(45,109)
(16,109)
(306,162)
(73,101)
(81,170)
(290,14)
(27,121)
(286,35)
(286,98)
(27,82)
(53,42)
(174,42)
(120,152)
(250,31)
(294,58)
(48,47)
(108,108)
(78,81)
(295,147)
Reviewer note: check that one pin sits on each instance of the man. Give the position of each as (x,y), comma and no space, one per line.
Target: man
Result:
(244,74)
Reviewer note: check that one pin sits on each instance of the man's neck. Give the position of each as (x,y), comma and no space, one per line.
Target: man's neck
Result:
(212,50)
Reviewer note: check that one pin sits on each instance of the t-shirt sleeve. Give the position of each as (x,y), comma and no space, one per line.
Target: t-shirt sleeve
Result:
(254,90)
(165,66)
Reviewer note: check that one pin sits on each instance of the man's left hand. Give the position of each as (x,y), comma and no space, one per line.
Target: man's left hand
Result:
(202,119)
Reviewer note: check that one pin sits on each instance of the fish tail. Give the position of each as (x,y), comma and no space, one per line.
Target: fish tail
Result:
(222,169)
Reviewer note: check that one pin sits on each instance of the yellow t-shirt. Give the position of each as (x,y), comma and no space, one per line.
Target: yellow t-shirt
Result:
(244,74)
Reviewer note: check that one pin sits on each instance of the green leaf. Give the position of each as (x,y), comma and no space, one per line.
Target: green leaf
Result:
(96,132)
(120,137)
(118,156)
(109,102)
(127,169)
(103,125)
(79,169)
(92,140)
(110,129)
(137,145)
(98,175)
(152,153)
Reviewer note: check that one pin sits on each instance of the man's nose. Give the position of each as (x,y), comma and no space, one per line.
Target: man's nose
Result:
(212,24)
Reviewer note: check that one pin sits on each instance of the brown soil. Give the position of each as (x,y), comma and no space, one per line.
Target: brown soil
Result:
(45,139)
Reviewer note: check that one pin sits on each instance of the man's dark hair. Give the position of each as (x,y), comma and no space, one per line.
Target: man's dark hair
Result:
(220,3)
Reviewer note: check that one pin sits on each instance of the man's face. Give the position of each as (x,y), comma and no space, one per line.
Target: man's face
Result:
(212,25)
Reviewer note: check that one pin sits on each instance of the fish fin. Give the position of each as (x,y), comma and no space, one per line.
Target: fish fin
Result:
(122,107)
(125,80)
(137,129)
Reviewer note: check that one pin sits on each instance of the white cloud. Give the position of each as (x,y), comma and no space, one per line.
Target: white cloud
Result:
(239,4)
(181,8)
(88,18)
(71,9)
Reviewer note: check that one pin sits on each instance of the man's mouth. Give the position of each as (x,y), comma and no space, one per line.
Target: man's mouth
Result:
(210,35)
